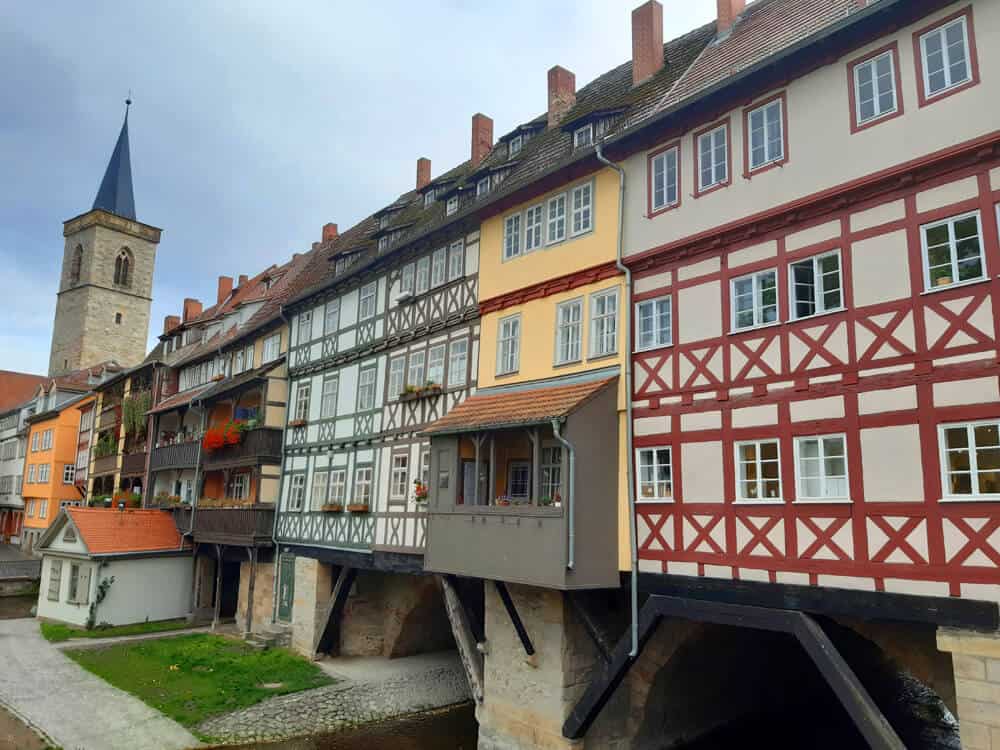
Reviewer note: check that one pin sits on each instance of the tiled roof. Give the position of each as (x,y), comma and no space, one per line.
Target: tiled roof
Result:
(17,387)
(488,411)
(108,531)
(180,399)
(223,387)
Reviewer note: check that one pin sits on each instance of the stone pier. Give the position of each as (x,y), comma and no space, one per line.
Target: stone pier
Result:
(976,659)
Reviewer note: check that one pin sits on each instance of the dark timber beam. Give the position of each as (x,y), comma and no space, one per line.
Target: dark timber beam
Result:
(328,636)
(593,629)
(850,692)
(465,637)
(515,618)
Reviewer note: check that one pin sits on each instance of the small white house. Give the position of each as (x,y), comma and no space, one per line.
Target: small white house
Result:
(129,565)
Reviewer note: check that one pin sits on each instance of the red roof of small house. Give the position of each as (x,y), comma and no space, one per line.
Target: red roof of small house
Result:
(511,408)
(109,531)
(17,387)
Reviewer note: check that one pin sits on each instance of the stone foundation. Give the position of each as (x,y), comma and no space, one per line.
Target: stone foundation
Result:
(976,659)
(313,583)
(263,597)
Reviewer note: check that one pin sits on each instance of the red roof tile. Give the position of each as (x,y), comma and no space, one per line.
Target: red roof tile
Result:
(108,531)
(180,399)
(512,408)
(17,387)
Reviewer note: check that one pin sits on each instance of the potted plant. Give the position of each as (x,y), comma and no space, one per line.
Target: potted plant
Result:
(161,498)
(173,499)
(358,507)
(297,423)
(502,500)
(214,439)
(332,507)
(431,388)
(420,491)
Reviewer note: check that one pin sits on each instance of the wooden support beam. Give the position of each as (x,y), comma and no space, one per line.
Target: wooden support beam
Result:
(328,635)
(465,639)
(515,618)
(594,630)
(252,551)
(218,586)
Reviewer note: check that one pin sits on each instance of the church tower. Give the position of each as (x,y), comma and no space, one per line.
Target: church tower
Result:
(106,287)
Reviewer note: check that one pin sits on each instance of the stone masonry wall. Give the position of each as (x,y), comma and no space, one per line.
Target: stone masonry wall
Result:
(263,596)
(313,584)
(976,659)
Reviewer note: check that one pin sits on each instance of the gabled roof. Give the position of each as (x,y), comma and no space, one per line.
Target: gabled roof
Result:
(115,194)
(108,531)
(17,388)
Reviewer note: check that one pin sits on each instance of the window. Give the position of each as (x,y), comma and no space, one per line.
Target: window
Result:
(118,319)
(765,126)
(512,236)
(328,399)
(366,389)
(875,88)
(272,348)
(953,251)
(34,441)
(665,180)
(816,285)
(458,362)
(604,323)
(514,146)
(320,484)
(43,473)
(428,198)
(383,242)
(55,579)
(302,400)
(47,440)
(451,206)
(331,321)
(30,512)
(338,486)
(123,268)
(456,260)
(533,219)
(43,508)
(483,187)
(297,492)
(362,486)
(557,219)
(397,377)
(383,221)
(238,362)
(551,474)
(435,364)
(439,267)
(366,307)
(398,480)
(569,316)
(248,360)
(519,479)
(508,345)
(653,327)
(713,158)
(655,474)
(31,473)
(758,473)
(74,584)
(821,468)
(69,473)
(239,486)
(945,57)
(415,374)
(75,265)
(582,216)
(970,460)
(406,279)
(755,300)
(305,326)
(583,136)
(423,274)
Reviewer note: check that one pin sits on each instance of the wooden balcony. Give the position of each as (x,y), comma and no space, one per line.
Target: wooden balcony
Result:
(246,526)
(105,464)
(259,446)
(134,463)
(179,456)
(109,418)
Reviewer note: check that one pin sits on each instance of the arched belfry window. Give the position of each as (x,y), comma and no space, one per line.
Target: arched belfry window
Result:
(123,268)
(75,265)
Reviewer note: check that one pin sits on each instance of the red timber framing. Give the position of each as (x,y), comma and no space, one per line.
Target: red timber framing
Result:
(839,373)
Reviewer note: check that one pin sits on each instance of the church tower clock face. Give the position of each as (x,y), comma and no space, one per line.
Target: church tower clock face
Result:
(106,286)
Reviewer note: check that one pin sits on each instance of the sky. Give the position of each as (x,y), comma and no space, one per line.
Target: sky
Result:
(255,123)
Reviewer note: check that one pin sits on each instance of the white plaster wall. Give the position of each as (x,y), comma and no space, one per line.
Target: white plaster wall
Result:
(149,588)
(63,610)
(891,464)
(701,472)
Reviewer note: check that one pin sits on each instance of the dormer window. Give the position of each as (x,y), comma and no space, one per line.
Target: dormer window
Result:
(584,136)
(383,221)
(482,187)
(383,242)
(452,205)
(428,198)
(514,146)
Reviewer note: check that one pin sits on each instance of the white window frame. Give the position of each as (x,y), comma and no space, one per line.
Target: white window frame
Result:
(654,452)
(458,362)
(43,508)
(416,369)
(519,466)
(662,174)
(555,219)
(820,293)
(399,474)
(407,279)
(55,579)
(331,317)
(451,206)
(974,471)
(581,201)
(583,136)
(69,473)
(482,186)
(436,357)
(423,275)
(568,327)
(34,441)
(397,377)
(305,327)
(871,64)
(303,395)
(328,397)
(769,156)
(337,486)
(824,478)
(598,338)
(514,146)
(512,236)
(758,306)
(428,198)
(945,57)
(47,440)
(296,491)
(534,227)
(550,474)
(362,486)
(657,342)
(760,499)
(240,484)
(31,473)
(439,267)
(716,163)
(383,242)
(272,348)
(44,472)
(368,301)
(509,344)
(366,388)
(320,488)
(456,260)
(952,250)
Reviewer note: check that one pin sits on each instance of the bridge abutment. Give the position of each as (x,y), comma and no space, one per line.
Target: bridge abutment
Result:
(976,659)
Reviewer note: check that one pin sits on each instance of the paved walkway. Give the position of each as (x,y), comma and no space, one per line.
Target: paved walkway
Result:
(76,709)
(367,689)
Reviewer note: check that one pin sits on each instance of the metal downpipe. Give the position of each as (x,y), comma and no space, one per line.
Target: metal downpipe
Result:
(571,494)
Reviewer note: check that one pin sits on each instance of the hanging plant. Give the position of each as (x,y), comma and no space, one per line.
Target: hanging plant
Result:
(214,439)
(134,410)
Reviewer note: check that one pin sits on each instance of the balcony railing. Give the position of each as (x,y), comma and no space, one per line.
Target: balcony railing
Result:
(105,464)
(134,463)
(109,418)
(179,456)
(248,525)
(262,445)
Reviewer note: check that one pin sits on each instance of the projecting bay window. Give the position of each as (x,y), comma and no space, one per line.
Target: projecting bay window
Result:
(816,285)
(509,345)
(550,492)
(946,57)
(652,324)
(664,180)
(754,300)
(765,127)
(713,158)
(653,467)
(239,486)
(953,251)
(970,460)
(821,468)
(758,471)
(569,323)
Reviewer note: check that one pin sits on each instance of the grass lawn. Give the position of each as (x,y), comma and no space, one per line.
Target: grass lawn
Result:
(192,677)
(56,632)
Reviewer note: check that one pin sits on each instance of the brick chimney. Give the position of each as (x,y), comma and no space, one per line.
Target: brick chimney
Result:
(647,41)
(225,288)
(424,170)
(562,93)
(243,279)
(171,322)
(192,309)
(728,11)
(482,137)
(329,231)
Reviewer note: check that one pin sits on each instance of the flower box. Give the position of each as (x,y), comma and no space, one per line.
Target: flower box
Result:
(411,393)
(297,423)
(358,508)
(217,378)
(332,508)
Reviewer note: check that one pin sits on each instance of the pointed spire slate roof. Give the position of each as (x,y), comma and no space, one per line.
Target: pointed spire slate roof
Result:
(115,193)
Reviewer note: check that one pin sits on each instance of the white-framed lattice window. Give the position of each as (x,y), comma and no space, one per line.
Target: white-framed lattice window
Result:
(458,362)
(296,491)
(655,473)
(43,508)
(816,285)
(765,129)
(512,236)
(519,480)
(456,260)
(534,220)
(366,388)
(509,345)
(482,187)
(514,146)
(758,471)
(970,460)
(550,476)
(338,486)
(439,266)
(367,304)
(331,320)
(397,377)
(953,251)
(239,486)
(569,330)
(435,364)
(945,55)
(328,399)
(239,359)
(875,93)
(415,372)
(31,473)
(556,219)
(821,468)
(43,473)
(581,204)
(55,579)
(272,348)
(665,179)
(754,300)
(320,487)
(69,473)
(399,476)
(302,395)
(429,199)
(362,486)
(713,157)
(406,279)
(305,326)
(47,440)
(423,275)
(604,323)
(451,205)
(583,136)
(34,441)
(652,323)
